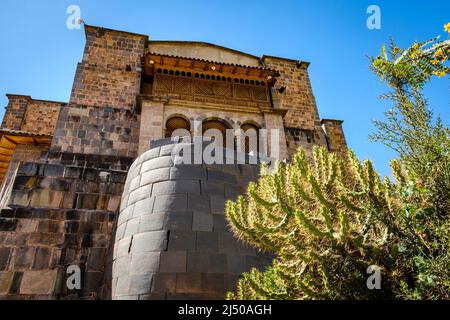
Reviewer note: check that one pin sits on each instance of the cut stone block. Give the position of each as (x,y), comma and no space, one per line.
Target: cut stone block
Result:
(164,283)
(174,187)
(160,162)
(173,261)
(143,207)
(38,282)
(155,175)
(178,221)
(165,203)
(199,203)
(145,263)
(189,283)
(5,281)
(188,172)
(150,241)
(152,222)
(140,194)
(198,262)
(140,284)
(182,240)
(207,242)
(202,222)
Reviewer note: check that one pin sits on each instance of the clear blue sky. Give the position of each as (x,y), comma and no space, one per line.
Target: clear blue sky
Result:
(39,54)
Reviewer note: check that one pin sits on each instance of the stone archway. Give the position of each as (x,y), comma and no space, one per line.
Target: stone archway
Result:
(216,124)
(174,123)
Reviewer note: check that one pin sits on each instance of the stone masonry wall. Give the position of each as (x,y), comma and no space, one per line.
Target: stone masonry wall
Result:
(335,136)
(22,153)
(172,239)
(298,98)
(14,112)
(41,117)
(99,131)
(27,114)
(63,211)
(302,121)
(109,75)
(100,118)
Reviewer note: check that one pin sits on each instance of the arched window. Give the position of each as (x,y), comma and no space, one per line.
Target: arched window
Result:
(175,123)
(216,125)
(251,137)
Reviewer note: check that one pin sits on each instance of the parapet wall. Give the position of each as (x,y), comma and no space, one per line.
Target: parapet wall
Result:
(172,239)
(27,114)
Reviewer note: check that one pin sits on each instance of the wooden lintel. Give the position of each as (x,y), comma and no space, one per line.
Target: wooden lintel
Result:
(9,139)
(6,155)
(10,149)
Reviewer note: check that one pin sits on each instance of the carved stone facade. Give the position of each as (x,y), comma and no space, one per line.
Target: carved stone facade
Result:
(65,197)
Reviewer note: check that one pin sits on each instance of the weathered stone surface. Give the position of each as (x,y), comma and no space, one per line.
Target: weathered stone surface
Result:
(145,263)
(202,222)
(236,263)
(4,257)
(198,262)
(41,258)
(174,187)
(38,282)
(122,287)
(140,194)
(165,203)
(199,203)
(5,281)
(150,241)
(160,162)
(188,172)
(182,223)
(207,242)
(173,261)
(218,204)
(180,240)
(23,258)
(178,221)
(164,283)
(153,222)
(189,282)
(132,227)
(140,284)
(213,283)
(121,266)
(156,175)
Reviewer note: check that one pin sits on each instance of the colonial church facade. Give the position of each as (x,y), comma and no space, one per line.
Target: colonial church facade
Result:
(89,186)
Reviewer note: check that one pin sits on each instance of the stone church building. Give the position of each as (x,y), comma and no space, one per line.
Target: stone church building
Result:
(89,186)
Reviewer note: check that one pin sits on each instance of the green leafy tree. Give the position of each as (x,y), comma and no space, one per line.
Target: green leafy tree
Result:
(329,219)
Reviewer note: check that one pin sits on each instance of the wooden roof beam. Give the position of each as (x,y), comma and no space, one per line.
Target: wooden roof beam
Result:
(10,140)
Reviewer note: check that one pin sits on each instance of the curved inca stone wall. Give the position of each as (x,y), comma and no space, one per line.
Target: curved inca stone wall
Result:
(172,239)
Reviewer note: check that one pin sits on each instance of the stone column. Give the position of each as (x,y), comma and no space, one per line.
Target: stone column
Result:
(151,128)
(274,121)
(172,239)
